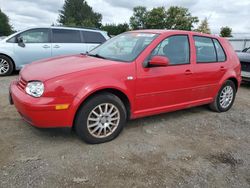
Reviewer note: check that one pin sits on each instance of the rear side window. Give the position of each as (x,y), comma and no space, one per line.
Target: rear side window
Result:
(205,51)
(93,37)
(66,36)
(220,52)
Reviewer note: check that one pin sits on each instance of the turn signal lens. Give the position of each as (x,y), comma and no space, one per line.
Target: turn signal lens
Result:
(62,106)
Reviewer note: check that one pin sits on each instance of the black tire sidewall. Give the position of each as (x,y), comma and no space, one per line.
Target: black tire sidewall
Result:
(85,109)
(227,83)
(11,66)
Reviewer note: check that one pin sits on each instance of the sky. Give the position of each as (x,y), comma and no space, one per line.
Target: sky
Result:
(32,13)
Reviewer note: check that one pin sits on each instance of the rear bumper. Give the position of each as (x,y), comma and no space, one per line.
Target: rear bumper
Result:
(245,76)
(39,112)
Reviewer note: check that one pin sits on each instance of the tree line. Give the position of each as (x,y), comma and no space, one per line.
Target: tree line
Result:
(77,13)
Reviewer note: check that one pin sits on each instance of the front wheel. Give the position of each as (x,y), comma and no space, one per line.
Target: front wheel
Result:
(225,97)
(6,66)
(100,119)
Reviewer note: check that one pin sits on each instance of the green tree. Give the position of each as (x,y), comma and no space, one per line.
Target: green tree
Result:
(180,18)
(137,21)
(5,27)
(226,32)
(156,18)
(79,13)
(204,27)
(114,29)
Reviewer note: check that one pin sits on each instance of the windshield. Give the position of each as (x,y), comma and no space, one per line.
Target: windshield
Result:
(125,47)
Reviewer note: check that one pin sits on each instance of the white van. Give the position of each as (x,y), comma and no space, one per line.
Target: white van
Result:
(34,44)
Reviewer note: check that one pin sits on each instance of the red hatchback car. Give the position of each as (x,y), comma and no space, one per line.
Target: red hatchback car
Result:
(132,75)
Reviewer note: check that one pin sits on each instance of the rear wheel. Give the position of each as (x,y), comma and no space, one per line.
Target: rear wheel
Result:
(101,118)
(225,97)
(6,66)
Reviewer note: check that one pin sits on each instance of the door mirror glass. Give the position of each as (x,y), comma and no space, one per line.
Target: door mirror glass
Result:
(159,61)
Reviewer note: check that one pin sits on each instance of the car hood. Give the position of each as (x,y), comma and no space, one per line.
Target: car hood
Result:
(50,68)
(243,56)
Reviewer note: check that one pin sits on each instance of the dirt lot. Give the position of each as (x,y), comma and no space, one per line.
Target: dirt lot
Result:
(188,148)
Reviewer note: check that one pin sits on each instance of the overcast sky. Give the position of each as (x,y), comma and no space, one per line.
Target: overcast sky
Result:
(232,13)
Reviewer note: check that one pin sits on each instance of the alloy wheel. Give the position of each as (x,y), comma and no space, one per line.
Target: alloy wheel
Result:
(103,120)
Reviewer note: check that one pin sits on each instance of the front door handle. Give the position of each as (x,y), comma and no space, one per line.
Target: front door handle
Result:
(188,72)
(46,46)
(56,46)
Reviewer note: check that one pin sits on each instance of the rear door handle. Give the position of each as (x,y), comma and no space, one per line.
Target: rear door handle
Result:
(46,46)
(188,72)
(56,46)
(222,68)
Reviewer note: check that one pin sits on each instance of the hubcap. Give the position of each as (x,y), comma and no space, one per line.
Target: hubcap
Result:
(226,96)
(103,120)
(4,66)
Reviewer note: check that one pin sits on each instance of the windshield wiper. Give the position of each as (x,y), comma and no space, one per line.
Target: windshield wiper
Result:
(96,55)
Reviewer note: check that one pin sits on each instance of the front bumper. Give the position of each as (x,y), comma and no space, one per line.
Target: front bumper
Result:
(40,112)
(245,76)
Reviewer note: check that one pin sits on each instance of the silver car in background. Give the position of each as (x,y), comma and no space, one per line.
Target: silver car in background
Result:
(34,44)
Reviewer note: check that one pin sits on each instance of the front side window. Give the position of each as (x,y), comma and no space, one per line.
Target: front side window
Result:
(35,36)
(205,51)
(175,48)
(125,47)
(66,36)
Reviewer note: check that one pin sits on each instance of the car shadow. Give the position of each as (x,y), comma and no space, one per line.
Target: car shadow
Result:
(69,134)
(245,85)
(167,116)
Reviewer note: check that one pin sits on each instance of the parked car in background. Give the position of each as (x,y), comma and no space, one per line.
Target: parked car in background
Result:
(34,44)
(132,75)
(244,57)
(239,44)
(2,37)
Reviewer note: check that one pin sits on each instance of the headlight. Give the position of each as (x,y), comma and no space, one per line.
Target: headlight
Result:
(35,88)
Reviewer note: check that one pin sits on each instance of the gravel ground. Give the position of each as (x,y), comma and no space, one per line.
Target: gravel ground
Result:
(188,148)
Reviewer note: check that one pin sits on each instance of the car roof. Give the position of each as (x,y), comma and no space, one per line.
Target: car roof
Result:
(164,31)
(64,27)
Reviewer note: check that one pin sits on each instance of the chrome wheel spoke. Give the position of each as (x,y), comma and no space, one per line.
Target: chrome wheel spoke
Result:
(226,97)
(4,66)
(103,120)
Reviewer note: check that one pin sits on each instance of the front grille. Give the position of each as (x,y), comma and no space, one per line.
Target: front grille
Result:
(245,66)
(22,83)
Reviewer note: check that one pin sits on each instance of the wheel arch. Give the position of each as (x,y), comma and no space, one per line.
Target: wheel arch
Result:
(235,81)
(117,92)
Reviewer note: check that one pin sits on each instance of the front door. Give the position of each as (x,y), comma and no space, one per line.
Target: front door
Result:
(36,45)
(161,87)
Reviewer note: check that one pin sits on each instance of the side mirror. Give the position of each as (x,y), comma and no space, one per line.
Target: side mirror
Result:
(158,61)
(20,42)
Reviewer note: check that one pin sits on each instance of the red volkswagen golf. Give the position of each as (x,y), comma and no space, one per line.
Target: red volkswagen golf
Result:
(135,74)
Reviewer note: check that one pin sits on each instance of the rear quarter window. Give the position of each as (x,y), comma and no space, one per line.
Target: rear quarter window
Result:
(93,37)
(221,56)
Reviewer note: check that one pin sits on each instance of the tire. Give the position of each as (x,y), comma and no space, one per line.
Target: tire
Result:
(217,105)
(6,66)
(89,117)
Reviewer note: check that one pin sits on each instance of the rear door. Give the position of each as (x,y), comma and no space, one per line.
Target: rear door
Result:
(36,46)
(67,42)
(210,66)
(92,39)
